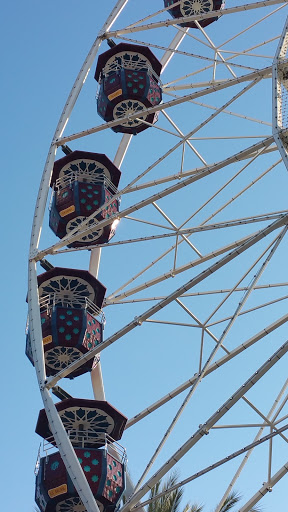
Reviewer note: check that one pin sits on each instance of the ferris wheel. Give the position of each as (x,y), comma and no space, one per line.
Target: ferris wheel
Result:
(174,182)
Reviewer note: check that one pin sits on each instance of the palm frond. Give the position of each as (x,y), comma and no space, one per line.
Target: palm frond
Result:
(194,508)
(255,509)
(170,502)
(230,501)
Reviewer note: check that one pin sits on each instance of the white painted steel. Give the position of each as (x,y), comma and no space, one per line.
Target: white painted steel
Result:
(67,453)
(97,383)
(280,95)
(208,15)
(209,360)
(223,252)
(96,374)
(214,466)
(261,73)
(267,487)
(71,237)
(204,429)
(137,321)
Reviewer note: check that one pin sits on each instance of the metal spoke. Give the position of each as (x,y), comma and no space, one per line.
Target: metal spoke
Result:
(211,14)
(170,298)
(204,429)
(202,177)
(173,393)
(213,466)
(210,359)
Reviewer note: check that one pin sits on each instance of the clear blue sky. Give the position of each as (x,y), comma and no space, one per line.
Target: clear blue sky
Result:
(43,47)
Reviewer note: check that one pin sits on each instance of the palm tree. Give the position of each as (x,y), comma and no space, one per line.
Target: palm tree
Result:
(231,500)
(171,501)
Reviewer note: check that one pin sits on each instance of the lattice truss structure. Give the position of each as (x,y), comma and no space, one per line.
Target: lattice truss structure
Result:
(280,83)
(196,301)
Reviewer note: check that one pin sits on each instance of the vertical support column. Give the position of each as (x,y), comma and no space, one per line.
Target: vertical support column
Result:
(94,264)
(280,95)
(97,382)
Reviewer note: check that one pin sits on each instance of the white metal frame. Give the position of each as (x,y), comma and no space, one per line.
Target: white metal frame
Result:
(226,253)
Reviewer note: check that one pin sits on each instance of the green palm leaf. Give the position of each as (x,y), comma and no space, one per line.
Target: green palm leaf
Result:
(231,500)
(170,502)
